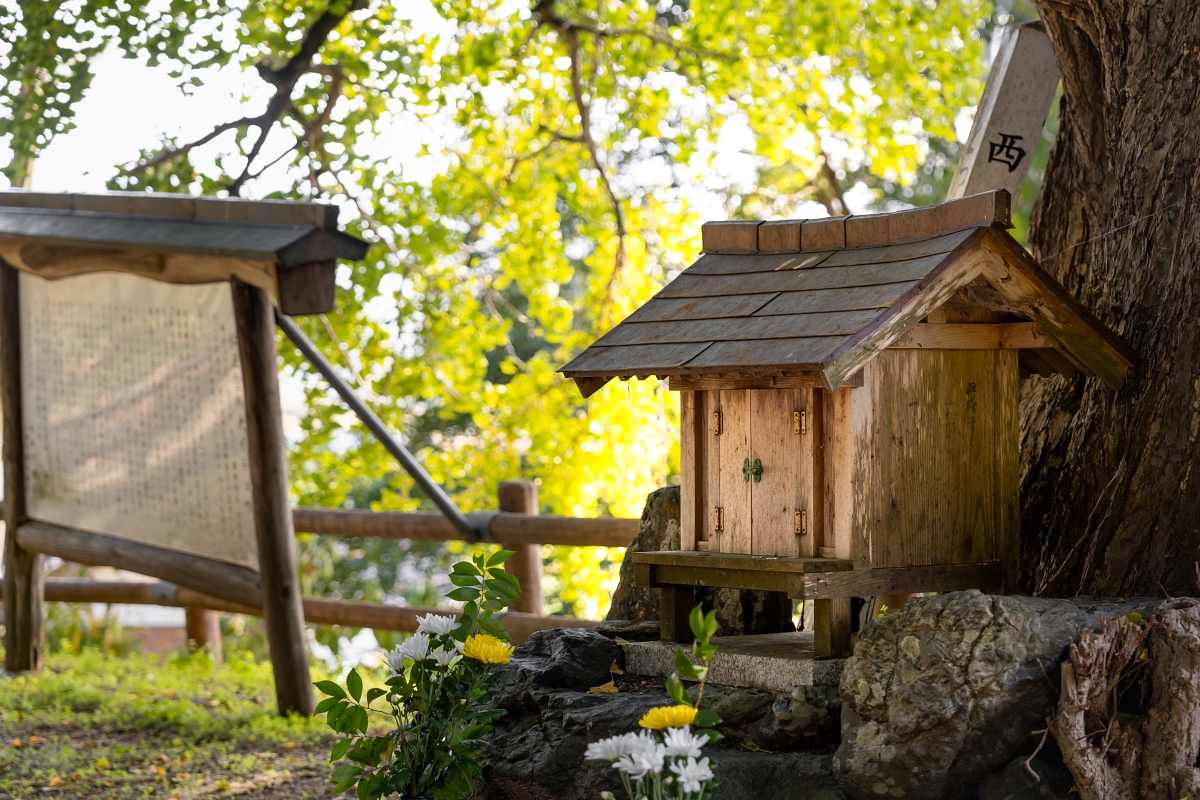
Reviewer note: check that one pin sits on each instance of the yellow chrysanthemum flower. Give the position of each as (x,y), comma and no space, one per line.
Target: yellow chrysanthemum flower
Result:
(668,717)
(487,648)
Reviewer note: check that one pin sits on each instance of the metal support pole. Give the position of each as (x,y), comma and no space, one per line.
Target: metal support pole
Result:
(474,526)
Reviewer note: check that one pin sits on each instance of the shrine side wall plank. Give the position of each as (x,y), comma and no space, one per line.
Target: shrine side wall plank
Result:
(925,475)
(1008,469)
(708,467)
(688,473)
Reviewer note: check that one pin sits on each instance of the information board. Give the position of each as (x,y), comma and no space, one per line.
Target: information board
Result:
(134,413)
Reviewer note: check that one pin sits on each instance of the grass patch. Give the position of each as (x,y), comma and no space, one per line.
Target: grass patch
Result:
(92,725)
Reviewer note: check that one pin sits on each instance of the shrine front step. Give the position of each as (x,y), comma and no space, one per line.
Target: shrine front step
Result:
(774,662)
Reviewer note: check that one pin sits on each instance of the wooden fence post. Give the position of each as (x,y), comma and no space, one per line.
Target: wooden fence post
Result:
(24,609)
(283,612)
(521,497)
(204,631)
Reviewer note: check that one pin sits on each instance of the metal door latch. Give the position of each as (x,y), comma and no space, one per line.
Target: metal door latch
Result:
(747,470)
(718,519)
(716,429)
(802,523)
(799,422)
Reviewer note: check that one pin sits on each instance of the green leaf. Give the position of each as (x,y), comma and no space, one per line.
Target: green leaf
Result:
(706,718)
(499,557)
(463,594)
(677,691)
(374,693)
(710,625)
(685,667)
(696,621)
(354,684)
(340,749)
(346,771)
(330,688)
(465,568)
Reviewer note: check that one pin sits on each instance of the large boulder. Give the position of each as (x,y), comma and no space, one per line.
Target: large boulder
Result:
(738,612)
(947,690)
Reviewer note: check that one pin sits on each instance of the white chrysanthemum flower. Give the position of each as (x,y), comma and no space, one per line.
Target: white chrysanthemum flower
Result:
(612,748)
(646,755)
(415,647)
(436,624)
(395,661)
(694,774)
(443,657)
(682,742)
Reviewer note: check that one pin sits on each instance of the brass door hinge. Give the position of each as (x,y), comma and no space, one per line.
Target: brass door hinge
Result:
(718,519)
(802,523)
(799,422)
(716,423)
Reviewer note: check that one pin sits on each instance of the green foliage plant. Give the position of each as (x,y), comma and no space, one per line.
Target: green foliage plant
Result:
(435,700)
(669,765)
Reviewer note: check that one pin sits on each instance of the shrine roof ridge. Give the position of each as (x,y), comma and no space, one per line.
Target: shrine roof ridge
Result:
(748,237)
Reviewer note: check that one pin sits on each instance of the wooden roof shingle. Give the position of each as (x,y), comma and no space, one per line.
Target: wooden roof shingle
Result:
(848,288)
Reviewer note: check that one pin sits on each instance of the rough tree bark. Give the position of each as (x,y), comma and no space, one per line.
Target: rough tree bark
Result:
(1109,483)
(1148,755)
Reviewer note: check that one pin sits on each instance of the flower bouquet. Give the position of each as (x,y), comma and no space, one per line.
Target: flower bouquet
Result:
(435,699)
(668,765)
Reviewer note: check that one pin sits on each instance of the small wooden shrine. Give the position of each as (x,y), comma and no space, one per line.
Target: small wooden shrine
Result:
(848,392)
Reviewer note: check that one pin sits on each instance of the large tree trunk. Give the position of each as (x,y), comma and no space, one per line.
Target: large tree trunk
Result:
(1110,485)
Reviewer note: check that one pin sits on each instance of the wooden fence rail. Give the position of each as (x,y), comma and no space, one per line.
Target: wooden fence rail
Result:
(317,610)
(507,528)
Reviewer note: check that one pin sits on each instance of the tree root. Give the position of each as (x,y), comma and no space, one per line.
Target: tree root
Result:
(1148,755)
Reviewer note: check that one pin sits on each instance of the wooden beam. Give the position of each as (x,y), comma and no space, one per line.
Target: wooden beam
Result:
(589,386)
(513,528)
(23,608)
(806,380)
(231,582)
(521,497)
(676,558)
(790,583)
(317,610)
(983,336)
(903,580)
(283,613)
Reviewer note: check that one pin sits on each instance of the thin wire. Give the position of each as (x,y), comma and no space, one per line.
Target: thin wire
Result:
(1114,230)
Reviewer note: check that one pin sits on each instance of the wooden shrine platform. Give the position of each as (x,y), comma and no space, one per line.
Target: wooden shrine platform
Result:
(828,582)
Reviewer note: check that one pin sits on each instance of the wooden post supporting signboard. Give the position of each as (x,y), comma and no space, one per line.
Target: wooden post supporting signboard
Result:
(23,605)
(283,611)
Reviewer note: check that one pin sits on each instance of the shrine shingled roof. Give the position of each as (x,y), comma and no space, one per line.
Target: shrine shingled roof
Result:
(823,296)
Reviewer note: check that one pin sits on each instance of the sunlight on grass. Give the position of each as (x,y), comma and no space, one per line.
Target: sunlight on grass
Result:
(145,726)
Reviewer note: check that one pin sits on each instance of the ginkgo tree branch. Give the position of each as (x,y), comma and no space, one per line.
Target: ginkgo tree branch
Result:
(569,32)
(284,79)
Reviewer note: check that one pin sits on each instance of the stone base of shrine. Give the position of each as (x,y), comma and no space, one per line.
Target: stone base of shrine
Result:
(775,662)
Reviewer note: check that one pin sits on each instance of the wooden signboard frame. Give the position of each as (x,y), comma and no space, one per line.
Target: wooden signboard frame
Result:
(266,235)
